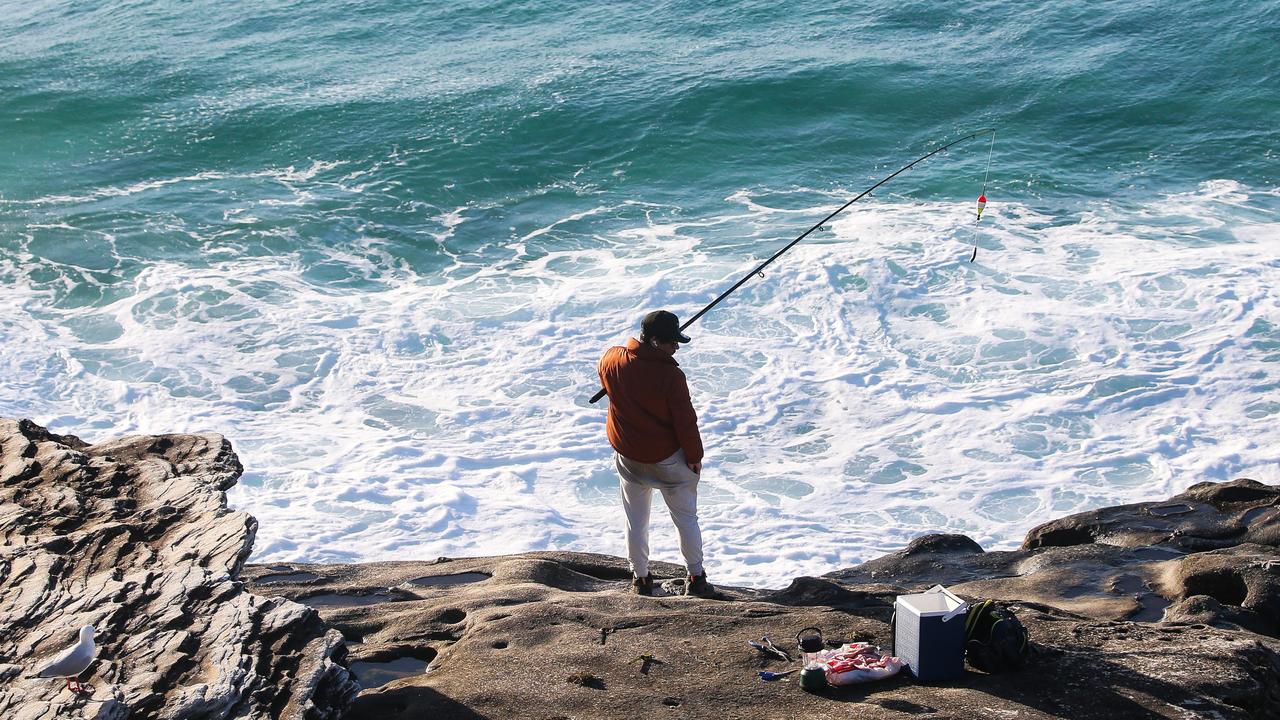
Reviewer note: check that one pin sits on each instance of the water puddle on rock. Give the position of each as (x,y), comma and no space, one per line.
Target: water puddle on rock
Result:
(376,674)
(1253,515)
(291,577)
(1169,510)
(447,580)
(340,600)
(1150,605)
(1155,552)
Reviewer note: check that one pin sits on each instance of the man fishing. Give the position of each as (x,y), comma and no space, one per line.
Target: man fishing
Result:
(654,430)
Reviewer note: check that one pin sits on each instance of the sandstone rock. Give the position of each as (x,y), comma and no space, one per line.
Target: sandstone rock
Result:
(1206,516)
(493,640)
(1119,579)
(1154,610)
(501,634)
(1243,582)
(134,537)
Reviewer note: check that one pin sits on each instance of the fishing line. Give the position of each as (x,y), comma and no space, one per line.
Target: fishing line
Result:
(982,196)
(982,201)
(990,153)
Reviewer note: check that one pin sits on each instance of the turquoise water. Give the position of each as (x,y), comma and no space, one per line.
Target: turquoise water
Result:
(380,248)
(524,104)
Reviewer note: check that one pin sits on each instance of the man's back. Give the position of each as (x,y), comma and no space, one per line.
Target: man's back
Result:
(650,413)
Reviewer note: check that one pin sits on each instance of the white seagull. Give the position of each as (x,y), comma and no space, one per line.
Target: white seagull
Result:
(72,661)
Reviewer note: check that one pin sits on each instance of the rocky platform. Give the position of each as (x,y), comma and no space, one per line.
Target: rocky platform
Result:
(133,536)
(1155,610)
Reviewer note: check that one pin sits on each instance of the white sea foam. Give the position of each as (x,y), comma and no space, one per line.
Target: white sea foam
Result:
(873,386)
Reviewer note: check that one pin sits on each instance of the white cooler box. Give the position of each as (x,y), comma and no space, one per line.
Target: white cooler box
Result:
(928,633)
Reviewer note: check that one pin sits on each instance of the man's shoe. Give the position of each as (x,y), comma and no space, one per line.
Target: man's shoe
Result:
(697,586)
(642,585)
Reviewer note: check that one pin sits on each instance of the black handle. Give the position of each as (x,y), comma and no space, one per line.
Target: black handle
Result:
(812,643)
(596,398)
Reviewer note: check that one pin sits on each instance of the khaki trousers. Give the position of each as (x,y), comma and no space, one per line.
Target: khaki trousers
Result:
(679,487)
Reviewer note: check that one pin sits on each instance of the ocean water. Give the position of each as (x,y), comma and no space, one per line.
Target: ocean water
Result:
(381,247)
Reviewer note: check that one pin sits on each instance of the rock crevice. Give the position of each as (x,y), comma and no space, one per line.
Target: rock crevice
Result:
(133,536)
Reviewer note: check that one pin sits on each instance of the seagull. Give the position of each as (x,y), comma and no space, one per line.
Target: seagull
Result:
(72,661)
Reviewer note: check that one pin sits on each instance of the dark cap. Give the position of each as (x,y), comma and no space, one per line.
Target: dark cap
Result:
(662,325)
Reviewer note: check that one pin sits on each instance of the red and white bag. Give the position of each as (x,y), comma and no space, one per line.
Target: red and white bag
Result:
(856,663)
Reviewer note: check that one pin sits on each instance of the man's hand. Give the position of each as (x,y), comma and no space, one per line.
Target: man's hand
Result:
(695,467)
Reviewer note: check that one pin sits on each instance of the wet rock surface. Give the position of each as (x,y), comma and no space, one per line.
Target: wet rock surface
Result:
(1205,517)
(1122,563)
(133,536)
(1151,630)
(1157,610)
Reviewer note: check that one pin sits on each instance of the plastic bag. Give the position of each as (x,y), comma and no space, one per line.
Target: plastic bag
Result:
(856,663)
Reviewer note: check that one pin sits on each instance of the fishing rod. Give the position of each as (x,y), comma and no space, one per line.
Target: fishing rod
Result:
(759,269)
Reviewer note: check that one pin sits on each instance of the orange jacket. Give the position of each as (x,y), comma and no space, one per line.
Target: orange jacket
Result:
(650,413)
